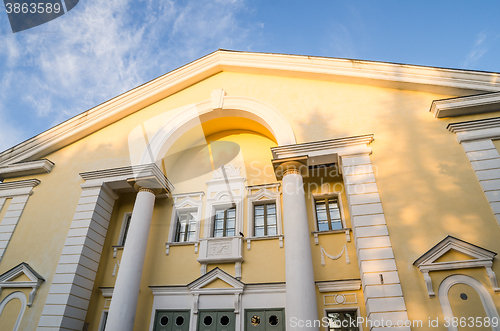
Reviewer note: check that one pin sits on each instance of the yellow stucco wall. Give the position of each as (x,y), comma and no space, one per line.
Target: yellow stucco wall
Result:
(426,184)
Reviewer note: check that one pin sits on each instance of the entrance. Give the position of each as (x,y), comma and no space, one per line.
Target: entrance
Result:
(171,320)
(216,320)
(265,320)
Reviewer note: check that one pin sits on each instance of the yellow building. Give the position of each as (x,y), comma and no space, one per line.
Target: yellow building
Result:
(248,191)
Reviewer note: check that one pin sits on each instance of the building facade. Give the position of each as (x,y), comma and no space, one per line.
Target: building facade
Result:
(249,191)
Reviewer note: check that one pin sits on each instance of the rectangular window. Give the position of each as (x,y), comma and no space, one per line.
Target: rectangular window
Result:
(265,223)
(104,318)
(225,222)
(186,226)
(342,321)
(124,231)
(328,214)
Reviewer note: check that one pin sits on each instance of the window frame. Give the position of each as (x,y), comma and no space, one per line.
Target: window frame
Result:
(177,225)
(319,197)
(127,217)
(263,195)
(357,310)
(104,319)
(265,203)
(185,202)
(225,207)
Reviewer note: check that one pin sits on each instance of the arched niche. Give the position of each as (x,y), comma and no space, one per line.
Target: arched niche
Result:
(220,106)
(14,295)
(486,300)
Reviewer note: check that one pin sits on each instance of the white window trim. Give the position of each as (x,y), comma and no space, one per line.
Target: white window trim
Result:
(101,322)
(270,197)
(124,226)
(448,282)
(342,309)
(223,203)
(345,229)
(183,203)
(12,296)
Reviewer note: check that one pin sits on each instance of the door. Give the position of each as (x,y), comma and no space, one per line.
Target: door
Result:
(265,320)
(216,320)
(171,320)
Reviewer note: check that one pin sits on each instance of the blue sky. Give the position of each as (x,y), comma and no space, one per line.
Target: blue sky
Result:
(103,48)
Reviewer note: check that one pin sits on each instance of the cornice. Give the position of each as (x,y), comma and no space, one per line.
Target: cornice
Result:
(22,187)
(26,169)
(130,174)
(339,285)
(474,104)
(476,130)
(400,76)
(338,146)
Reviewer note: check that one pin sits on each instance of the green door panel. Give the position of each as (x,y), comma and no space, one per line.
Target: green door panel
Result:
(207,320)
(171,320)
(163,320)
(226,321)
(180,321)
(255,320)
(275,320)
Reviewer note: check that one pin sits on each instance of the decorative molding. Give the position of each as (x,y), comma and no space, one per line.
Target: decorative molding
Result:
(346,231)
(480,258)
(107,292)
(148,175)
(7,280)
(26,169)
(326,151)
(20,192)
(221,250)
(197,285)
(488,128)
(184,202)
(488,304)
(217,98)
(341,299)
(437,80)
(339,285)
(194,115)
(17,188)
(336,257)
(263,194)
(468,105)
(22,298)
(226,171)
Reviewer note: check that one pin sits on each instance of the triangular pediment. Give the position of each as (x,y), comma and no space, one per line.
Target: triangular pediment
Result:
(216,279)
(453,253)
(218,283)
(390,75)
(21,276)
(22,273)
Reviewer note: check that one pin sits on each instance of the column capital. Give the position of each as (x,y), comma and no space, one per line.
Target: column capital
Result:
(292,165)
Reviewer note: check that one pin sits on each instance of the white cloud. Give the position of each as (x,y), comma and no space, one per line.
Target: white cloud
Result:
(478,50)
(103,48)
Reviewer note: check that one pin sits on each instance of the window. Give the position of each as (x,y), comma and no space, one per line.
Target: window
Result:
(225,222)
(104,319)
(328,214)
(186,226)
(124,231)
(342,321)
(265,220)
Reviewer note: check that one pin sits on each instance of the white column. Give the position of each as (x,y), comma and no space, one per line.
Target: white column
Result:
(126,292)
(301,304)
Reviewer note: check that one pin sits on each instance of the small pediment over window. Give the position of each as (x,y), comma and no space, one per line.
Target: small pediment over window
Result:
(216,279)
(452,253)
(22,275)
